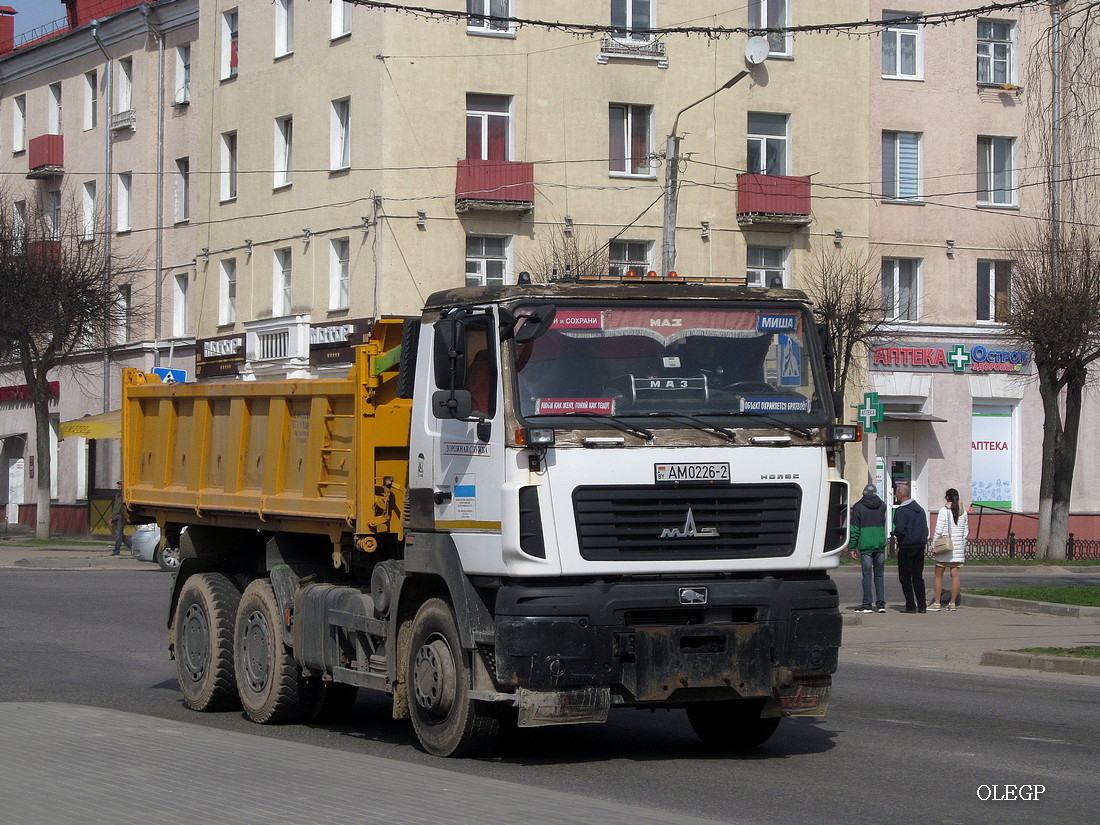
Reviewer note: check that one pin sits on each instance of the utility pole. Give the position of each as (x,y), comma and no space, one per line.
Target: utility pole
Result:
(672,182)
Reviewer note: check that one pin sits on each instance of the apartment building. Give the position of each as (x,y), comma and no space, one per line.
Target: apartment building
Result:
(96,132)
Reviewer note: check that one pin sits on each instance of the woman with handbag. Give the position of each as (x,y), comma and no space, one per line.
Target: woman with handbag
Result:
(949,548)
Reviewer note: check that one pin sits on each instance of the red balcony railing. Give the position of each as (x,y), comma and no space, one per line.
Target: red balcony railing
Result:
(45,156)
(773,199)
(498,185)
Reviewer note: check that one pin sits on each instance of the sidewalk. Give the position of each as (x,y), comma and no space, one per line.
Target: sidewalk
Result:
(75,554)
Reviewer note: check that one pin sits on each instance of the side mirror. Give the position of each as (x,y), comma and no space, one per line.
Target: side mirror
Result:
(452,404)
(535,323)
(449,355)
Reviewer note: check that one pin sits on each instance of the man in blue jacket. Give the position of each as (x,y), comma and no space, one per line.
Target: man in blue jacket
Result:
(868,537)
(911,533)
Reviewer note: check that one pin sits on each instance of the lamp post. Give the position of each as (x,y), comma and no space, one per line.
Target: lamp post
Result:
(672,161)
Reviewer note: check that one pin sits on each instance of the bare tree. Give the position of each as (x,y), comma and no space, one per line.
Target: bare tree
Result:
(559,252)
(58,294)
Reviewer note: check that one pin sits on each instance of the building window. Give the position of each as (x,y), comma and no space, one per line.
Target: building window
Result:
(632,20)
(771,14)
(229,44)
(996,174)
(488,16)
(229,166)
(284,27)
(339,290)
(18,226)
(125,313)
(341,18)
(766,266)
(282,273)
(994,285)
(124,206)
(183,73)
(629,256)
(486,261)
(88,212)
(900,165)
(54,127)
(902,48)
(91,100)
(995,455)
(125,85)
(19,124)
(767,144)
(53,214)
(340,142)
(900,281)
(630,145)
(284,149)
(180,309)
(183,189)
(488,127)
(227,303)
(996,52)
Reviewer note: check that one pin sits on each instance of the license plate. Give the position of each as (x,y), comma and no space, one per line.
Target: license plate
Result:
(710,471)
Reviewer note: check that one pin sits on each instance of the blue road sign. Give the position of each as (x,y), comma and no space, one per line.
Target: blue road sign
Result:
(169,376)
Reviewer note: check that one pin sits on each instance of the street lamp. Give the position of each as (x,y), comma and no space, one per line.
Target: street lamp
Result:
(672,161)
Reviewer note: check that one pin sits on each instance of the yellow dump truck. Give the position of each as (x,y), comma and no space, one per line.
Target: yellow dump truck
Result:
(531,505)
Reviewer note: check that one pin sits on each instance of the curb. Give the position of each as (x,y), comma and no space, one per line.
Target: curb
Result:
(1022,606)
(1049,664)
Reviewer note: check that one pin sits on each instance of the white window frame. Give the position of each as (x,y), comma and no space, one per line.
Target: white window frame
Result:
(19,225)
(485,114)
(123,332)
(340,135)
(632,114)
(892,302)
(995,52)
(230,43)
(995,273)
(183,74)
(91,100)
(765,265)
(902,179)
(180,309)
(284,27)
(341,19)
(339,287)
(624,255)
(88,210)
(19,124)
(124,202)
(54,111)
(625,21)
(772,14)
(284,151)
(227,292)
(761,141)
(489,17)
(53,214)
(125,101)
(996,185)
(229,158)
(898,33)
(479,260)
(282,281)
(183,190)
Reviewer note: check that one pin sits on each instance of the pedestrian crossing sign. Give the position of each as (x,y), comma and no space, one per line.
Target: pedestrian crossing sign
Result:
(790,362)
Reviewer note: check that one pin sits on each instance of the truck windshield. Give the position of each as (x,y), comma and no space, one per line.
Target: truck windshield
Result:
(745,361)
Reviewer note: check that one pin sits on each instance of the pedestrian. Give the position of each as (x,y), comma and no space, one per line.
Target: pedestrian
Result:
(868,538)
(911,533)
(117,524)
(950,522)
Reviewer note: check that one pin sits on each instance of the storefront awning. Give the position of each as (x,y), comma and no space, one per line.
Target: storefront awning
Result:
(897,415)
(104,425)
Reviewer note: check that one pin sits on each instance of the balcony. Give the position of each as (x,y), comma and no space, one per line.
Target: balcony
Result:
(612,48)
(44,255)
(126,119)
(277,347)
(495,186)
(46,156)
(773,199)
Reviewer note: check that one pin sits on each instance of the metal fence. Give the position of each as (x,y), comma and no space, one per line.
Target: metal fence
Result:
(1002,542)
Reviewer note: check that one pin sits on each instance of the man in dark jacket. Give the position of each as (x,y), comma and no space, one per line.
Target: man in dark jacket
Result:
(868,538)
(911,532)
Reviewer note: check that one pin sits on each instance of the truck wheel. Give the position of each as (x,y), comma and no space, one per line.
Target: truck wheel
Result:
(205,614)
(168,558)
(267,675)
(447,722)
(731,725)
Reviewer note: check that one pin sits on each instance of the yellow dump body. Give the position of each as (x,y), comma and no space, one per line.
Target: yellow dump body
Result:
(322,456)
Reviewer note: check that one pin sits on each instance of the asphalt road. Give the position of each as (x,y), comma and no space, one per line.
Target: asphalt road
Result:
(898,746)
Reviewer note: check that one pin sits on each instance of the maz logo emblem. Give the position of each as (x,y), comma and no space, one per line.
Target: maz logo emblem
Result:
(689,530)
(693,595)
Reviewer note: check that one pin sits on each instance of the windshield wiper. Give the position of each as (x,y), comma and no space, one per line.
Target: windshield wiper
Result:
(615,422)
(775,422)
(728,435)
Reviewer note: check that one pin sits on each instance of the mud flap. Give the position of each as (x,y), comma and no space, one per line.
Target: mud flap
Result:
(538,708)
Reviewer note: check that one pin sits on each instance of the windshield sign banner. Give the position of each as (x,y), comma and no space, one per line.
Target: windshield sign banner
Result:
(763,404)
(588,406)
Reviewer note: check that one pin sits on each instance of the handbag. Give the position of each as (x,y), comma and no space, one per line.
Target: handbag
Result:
(943,545)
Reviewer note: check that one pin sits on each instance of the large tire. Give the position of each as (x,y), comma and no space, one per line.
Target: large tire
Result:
(205,615)
(731,725)
(268,678)
(447,722)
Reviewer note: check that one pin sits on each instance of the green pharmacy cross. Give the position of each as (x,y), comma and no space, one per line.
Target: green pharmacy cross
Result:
(870,414)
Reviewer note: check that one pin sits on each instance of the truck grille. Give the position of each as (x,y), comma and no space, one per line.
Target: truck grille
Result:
(635,523)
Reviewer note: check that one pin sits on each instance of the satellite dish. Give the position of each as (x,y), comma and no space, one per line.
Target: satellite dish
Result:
(757,50)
